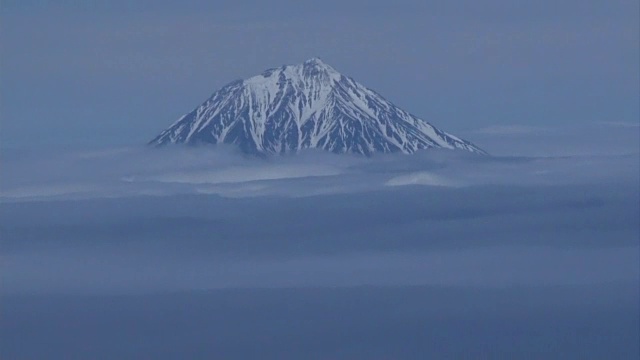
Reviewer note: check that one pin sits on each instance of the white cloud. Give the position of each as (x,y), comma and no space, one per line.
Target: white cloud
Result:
(133,172)
(421,178)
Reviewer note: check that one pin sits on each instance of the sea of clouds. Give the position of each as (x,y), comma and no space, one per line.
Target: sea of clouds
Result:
(205,252)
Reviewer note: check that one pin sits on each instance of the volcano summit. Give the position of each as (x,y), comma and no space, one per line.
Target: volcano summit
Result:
(306,106)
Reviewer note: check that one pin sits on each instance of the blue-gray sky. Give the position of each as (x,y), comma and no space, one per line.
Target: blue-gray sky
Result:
(77,73)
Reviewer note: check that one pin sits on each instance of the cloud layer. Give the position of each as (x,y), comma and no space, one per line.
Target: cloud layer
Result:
(206,253)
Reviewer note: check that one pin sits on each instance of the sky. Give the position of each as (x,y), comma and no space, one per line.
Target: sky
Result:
(102,73)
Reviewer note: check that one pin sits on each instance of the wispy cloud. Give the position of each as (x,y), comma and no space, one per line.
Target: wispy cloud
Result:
(619,124)
(511,130)
(140,171)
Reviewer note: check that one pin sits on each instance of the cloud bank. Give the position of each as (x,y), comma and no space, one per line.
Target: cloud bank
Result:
(214,250)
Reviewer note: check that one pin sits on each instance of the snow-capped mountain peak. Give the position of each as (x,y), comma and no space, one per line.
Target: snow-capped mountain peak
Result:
(308,105)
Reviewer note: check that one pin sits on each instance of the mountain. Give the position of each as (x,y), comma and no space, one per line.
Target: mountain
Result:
(309,105)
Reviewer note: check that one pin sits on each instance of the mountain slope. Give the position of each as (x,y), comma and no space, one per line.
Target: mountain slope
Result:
(309,105)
